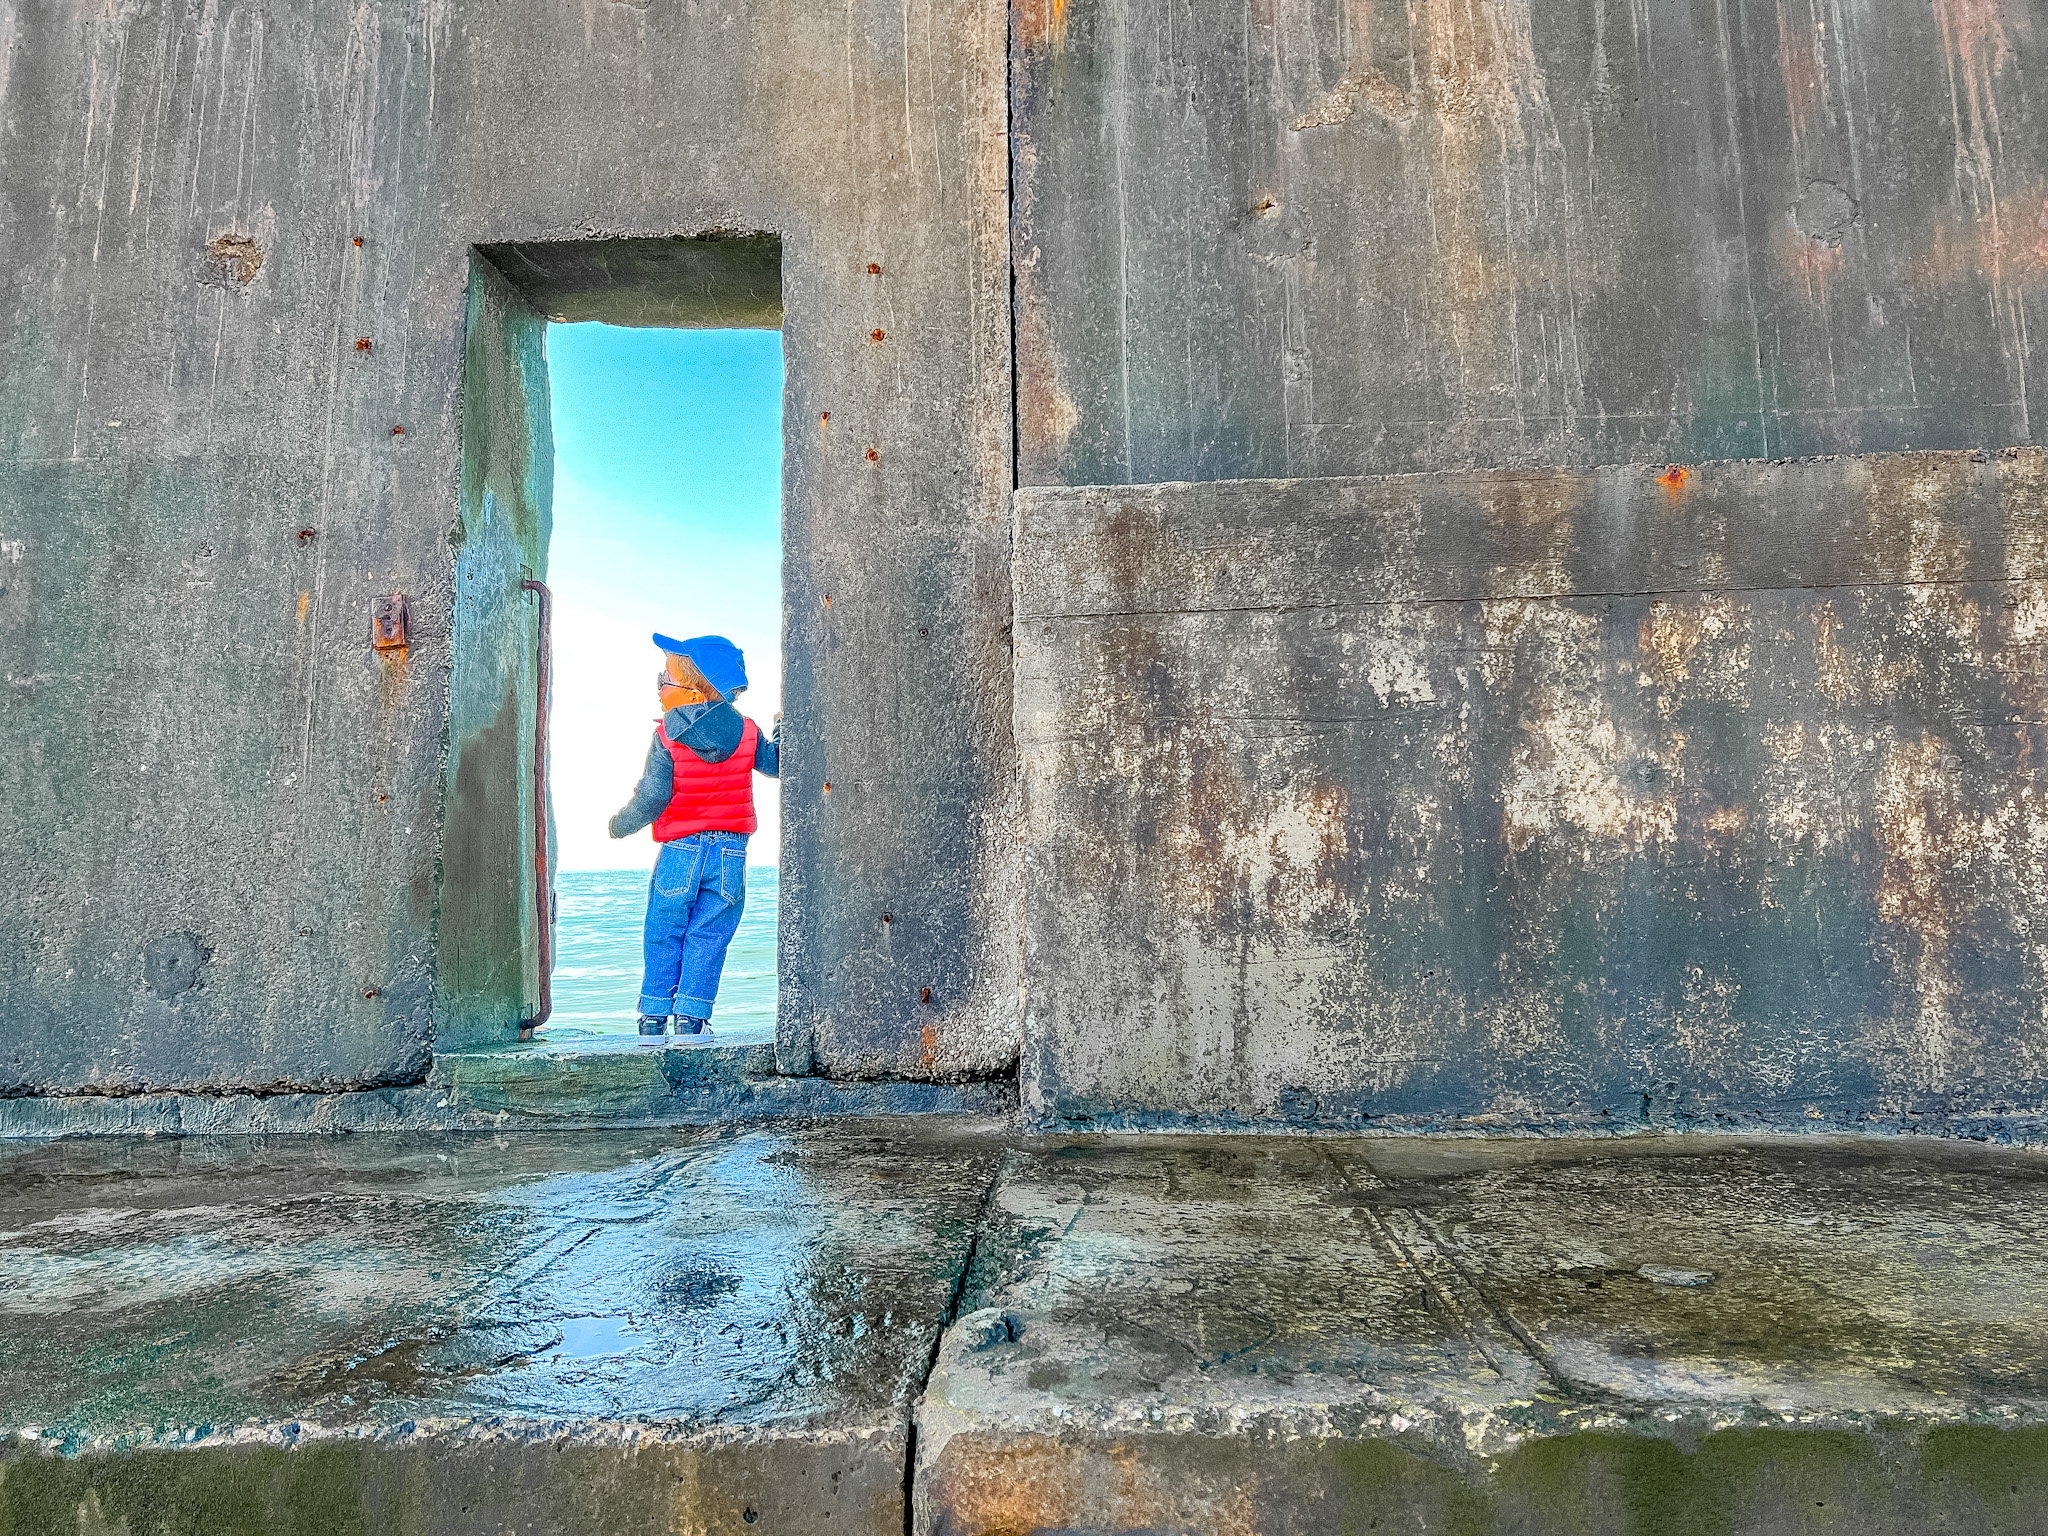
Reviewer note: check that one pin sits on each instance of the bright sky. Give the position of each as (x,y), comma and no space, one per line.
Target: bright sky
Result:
(668,516)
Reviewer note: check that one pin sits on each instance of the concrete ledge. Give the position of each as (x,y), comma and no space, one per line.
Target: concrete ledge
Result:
(1679,1336)
(532,1086)
(705,1329)
(457,1478)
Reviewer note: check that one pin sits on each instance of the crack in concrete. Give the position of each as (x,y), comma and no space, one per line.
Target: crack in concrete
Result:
(947,1318)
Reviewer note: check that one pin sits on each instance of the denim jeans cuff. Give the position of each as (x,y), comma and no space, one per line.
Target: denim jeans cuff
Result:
(694,1007)
(657,1007)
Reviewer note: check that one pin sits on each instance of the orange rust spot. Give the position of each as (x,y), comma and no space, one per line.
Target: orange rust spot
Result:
(828,599)
(362,343)
(305,598)
(398,431)
(1041,21)
(1674,477)
(873,456)
(929,1039)
(924,995)
(828,786)
(875,334)
(357,241)
(824,417)
(874,269)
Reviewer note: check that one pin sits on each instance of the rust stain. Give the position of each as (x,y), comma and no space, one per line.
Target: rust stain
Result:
(305,599)
(1804,259)
(1727,821)
(873,456)
(1799,68)
(929,1038)
(875,334)
(362,343)
(1046,412)
(1040,22)
(1674,479)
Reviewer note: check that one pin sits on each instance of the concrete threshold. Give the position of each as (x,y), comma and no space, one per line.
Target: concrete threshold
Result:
(536,1085)
(936,1325)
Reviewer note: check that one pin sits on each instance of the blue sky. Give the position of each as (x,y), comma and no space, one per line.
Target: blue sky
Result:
(668,516)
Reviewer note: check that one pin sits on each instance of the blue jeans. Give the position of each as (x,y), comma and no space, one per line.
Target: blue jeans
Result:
(693,905)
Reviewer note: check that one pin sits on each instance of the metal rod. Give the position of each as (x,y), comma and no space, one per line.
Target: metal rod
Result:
(543,670)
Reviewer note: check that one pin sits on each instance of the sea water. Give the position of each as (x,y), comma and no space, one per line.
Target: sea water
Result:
(598,918)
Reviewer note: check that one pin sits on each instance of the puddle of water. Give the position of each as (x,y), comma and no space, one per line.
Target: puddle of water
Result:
(594,1338)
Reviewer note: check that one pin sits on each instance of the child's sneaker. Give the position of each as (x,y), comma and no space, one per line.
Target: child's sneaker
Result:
(652,1031)
(692,1031)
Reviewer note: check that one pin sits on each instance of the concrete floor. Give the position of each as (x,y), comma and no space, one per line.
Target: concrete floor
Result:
(705,1329)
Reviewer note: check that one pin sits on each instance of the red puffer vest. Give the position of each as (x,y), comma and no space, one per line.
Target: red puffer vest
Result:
(709,797)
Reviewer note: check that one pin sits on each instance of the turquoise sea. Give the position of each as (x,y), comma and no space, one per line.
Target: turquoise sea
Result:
(598,915)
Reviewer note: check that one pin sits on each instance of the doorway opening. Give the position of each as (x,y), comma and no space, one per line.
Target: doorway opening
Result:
(667,519)
(621,477)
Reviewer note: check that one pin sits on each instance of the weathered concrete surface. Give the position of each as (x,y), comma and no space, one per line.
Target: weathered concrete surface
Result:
(1233,1336)
(718,280)
(716,1331)
(487,923)
(220,810)
(533,1086)
(1261,240)
(1540,799)
(700,1332)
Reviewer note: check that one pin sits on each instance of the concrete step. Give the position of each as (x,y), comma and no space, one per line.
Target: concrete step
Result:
(707,1329)
(1654,1336)
(751,1329)
(536,1085)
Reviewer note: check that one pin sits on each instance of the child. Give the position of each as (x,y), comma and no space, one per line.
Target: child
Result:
(698,792)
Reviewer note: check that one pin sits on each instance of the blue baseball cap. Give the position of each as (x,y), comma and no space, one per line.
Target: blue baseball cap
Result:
(721,662)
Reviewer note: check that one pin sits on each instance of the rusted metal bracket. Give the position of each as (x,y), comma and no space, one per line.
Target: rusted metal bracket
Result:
(390,619)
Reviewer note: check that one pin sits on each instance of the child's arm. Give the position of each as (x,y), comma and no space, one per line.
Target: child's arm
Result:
(768,751)
(651,796)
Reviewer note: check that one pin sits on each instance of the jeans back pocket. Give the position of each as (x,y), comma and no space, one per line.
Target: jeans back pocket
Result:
(732,873)
(677,868)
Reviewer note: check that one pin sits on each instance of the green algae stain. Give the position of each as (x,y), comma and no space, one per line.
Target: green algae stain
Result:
(1380,1488)
(1992,1482)
(1806,1481)
(257,1491)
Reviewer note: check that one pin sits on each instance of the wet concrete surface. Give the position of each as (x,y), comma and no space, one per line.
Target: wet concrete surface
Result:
(734,1277)
(707,1329)
(1658,1335)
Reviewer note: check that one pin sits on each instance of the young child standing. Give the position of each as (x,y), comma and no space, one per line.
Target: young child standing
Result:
(698,794)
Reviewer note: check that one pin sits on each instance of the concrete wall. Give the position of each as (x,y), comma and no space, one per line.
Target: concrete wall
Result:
(1298,239)
(1529,799)
(1539,799)
(489,975)
(219,808)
